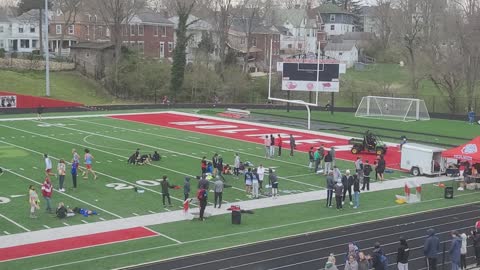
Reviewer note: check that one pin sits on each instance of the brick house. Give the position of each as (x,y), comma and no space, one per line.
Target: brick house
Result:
(261,38)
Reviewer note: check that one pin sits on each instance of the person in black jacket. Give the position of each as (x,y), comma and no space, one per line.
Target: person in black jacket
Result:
(367,169)
(165,186)
(356,191)
(475,235)
(330,188)
(381,168)
(431,249)
(402,254)
(347,181)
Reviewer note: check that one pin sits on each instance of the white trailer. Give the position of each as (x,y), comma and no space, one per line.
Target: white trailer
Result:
(421,159)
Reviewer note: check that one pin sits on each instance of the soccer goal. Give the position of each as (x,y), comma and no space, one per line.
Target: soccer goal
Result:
(390,108)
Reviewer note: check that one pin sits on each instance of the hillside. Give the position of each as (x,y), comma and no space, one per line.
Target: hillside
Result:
(70,86)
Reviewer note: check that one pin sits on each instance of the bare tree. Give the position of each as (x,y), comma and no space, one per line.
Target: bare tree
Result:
(69,10)
(468,36)
(383,13)
(115,14)
(223,21)
(251,14)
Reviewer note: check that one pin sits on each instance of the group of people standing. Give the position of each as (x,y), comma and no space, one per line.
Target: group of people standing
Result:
(47,186)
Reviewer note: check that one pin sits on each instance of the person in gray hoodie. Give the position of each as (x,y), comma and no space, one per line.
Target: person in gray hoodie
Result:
(338,194)
(431,249)
(186,188)
(330,188)
(218,189)
(454,251)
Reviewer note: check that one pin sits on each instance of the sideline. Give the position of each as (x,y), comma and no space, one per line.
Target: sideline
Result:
(15,223)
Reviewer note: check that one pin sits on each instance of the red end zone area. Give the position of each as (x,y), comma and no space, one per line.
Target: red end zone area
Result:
(42,248)
(255,133)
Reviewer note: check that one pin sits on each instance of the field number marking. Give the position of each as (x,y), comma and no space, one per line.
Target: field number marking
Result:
(122,186)
(4,200)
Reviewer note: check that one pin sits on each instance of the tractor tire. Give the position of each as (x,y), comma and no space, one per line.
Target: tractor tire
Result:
(380,151)
(354,150)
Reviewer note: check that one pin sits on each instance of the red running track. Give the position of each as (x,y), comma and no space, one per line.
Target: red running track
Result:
(255,133)
(42,248)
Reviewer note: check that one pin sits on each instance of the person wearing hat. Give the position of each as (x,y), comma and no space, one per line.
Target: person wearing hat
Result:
(454,251)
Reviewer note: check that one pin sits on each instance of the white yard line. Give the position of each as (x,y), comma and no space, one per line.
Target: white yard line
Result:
(46,226)
(5,232)
(64,194)
(15,223)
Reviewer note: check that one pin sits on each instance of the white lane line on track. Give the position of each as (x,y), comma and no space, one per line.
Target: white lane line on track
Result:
(241,233)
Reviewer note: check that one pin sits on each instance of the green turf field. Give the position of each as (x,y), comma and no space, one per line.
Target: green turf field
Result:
(22,144)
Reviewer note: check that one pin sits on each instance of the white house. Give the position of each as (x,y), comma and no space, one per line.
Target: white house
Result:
(336,21)
(197,29)
(345,52)
(19,34)
(298,33)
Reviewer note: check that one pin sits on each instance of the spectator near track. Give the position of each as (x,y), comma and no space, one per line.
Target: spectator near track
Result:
(88,164)
(203,183)
(248,181)
(255,184)
(332,153)
(463,251)
(73,171)
(475,235)
(379,260)
(61,168)
(330,265)
(279,144)
(218,189)
(381,168)
(337,175)
(322,154)
(359,167)
(351,263)
(454,251)
(220,167)
(347,181)
(363,263)
(292,145)
(367,169)
(33,200)
(403,253)
(330,187)
(186,188)
(317,159)
(431,249)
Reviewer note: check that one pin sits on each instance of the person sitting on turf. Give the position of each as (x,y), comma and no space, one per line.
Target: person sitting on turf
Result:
(209,168)
(155,156)
(144,159)
(132,159)
(84,212)
(63,212)
(227,169)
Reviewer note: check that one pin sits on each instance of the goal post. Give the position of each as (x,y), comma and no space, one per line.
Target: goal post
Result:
(391,108)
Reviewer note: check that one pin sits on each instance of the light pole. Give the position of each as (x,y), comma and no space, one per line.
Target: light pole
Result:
(47,55)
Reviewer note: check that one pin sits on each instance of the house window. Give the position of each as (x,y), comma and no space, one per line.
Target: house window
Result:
(133,30)
(332,17)
(71,30)
(34,43)
(170,46)
(340,53)
(2,43)
(107,32)
(332,27)
(141,47)
(100,31)
(1,29)
(59,12)
(163,30)
(140,30)
(155,31)
(299,45)
(32,29)
(58,29)
(20,29)
(24,43)
(242,41)
(254,41)
(289,46)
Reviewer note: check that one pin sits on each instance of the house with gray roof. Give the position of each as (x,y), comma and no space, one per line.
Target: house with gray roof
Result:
(336,21)
(19,33)
(346,52)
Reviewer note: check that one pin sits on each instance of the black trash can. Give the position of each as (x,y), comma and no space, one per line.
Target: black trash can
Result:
(236,217)
(448,192)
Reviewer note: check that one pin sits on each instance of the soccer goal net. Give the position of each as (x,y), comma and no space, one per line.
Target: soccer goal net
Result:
(402,109)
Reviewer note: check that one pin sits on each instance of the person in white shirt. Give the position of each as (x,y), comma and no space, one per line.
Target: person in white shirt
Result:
(61,174)
(463,251)
(48,166)
(261,175)
(266,142)
(236,165)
